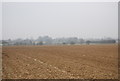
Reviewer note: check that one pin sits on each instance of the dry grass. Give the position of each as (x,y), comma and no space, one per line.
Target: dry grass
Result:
(60,62)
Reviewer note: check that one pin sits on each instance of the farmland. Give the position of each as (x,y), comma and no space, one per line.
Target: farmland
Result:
(60,62)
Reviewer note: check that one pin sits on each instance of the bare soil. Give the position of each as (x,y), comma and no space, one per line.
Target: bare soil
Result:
(60,62)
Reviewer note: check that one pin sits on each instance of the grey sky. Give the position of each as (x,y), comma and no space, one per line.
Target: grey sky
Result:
(83,20)
(0,20)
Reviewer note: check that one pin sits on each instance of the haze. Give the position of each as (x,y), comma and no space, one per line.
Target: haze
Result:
(62,19)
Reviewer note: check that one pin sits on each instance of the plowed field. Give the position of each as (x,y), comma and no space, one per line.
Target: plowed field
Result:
(60,62)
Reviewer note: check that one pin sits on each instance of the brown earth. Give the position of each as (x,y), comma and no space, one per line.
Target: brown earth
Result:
(0,62)
(60,62)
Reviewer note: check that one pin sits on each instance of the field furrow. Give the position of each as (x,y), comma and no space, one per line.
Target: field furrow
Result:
(60,62)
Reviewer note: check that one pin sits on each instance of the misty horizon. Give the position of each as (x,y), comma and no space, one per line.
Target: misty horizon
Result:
(31,38)
(46,40)
(57,20)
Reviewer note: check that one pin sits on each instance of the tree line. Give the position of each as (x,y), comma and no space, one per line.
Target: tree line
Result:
(46,40)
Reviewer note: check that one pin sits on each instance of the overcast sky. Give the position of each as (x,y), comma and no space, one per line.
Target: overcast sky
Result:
(74,19)
(0,20)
